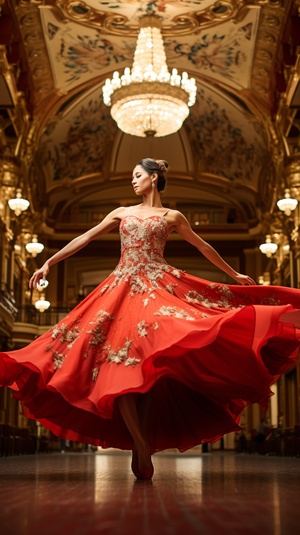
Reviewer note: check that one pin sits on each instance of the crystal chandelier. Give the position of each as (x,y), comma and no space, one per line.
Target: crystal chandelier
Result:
(149,100)
(18,205)
(34,247)
(268,248)
(288,204)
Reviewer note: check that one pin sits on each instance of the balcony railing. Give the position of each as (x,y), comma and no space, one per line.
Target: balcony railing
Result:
(7,300)
(29,314)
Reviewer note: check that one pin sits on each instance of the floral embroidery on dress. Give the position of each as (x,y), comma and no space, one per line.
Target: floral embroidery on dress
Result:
(142,265)
(271,301)
(223,298)
(132,361)
(170,287)
(120,354)
(65,335)
(142,328)
(104,288)
(58,358)
(95,373)
(174,311)
(99,333)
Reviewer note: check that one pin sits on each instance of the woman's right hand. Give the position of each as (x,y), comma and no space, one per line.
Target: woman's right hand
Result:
(40,274)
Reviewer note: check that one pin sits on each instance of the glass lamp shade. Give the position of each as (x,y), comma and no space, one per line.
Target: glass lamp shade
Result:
(34,247)
(268,248)
(287,204)
(18,204)
(42,304)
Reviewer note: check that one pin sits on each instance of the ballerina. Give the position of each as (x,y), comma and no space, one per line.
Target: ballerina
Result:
(154,358)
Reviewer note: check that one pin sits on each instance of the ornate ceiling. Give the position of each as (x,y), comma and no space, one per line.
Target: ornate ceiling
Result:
(229,151)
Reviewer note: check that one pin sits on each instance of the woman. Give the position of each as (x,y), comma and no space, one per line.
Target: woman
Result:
(154,358)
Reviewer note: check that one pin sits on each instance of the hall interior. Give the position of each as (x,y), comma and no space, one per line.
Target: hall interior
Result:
(233,158)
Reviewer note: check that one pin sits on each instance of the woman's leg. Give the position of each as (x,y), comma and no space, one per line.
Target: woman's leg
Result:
(128,409)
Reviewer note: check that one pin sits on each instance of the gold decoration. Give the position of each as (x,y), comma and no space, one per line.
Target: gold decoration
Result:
(118,24)
(265,54)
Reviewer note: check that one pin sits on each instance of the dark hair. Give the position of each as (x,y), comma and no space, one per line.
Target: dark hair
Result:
(156,166)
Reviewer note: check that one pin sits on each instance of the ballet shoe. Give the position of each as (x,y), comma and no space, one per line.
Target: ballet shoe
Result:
(135,463)
(147,473)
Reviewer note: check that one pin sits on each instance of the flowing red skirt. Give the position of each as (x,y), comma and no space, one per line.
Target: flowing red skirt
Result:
(198,352)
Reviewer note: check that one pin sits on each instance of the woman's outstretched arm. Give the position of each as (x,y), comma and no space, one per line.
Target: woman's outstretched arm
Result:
(182,226)
(108,223)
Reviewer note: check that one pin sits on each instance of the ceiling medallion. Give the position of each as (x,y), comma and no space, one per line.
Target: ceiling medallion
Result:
(148,100)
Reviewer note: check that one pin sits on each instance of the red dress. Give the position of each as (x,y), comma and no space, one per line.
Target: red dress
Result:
(201,351)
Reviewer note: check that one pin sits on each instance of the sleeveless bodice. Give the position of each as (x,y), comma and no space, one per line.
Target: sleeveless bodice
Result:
(142,263)
(143,240)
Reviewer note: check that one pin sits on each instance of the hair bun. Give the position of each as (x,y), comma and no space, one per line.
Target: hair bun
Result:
(163,165)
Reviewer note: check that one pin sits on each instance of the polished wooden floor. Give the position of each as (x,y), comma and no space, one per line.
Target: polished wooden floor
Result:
(95,493)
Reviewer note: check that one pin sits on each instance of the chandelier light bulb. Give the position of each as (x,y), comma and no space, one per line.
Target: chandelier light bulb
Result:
(148,100)
(268,248)
(288,204)
(34,247)
(18,205)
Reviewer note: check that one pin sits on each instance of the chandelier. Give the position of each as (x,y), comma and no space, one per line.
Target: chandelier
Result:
(34,247)
(268,248)
(149,100)
(18,205)
(288,204)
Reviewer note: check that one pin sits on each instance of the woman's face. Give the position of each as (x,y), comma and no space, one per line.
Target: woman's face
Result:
(141,180)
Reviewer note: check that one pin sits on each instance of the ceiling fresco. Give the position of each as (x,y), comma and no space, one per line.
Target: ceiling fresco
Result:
(230,142)
(229,47)
(132,10)
(78,54)
(75,145)
(74,142)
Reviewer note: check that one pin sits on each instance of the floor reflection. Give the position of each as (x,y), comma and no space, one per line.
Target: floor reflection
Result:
(97,494)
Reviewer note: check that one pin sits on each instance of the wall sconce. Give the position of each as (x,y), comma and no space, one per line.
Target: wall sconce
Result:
(288,204)
(34,247)
(18,204)
(268,248)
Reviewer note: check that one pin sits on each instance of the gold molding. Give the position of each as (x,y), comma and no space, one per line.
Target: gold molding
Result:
(118,24)
(35,47)
(267,42)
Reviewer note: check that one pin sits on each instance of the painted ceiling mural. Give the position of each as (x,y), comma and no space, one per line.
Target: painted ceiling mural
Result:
(226,147)
(78,54)
(132,10)
(230,142)
(75,144)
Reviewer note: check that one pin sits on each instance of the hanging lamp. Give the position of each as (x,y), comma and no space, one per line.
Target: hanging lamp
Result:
(148,100)
(268,248)
(287,204)
(34,247)
(18,204)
